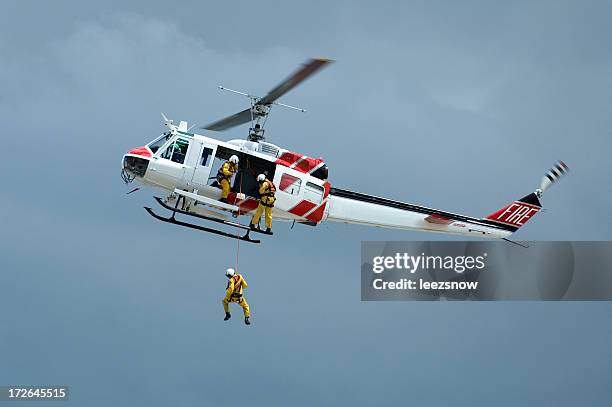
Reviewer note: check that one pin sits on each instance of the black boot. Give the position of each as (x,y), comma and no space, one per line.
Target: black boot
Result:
(252,226)
(224,200)
(227,316)
(269,231)
(246,321)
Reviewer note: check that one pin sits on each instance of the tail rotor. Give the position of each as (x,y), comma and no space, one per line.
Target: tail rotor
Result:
(516,214)
(552,176)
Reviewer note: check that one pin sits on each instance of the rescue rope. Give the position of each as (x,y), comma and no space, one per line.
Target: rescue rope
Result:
(238,229)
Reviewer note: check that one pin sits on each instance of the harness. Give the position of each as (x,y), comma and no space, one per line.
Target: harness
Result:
(268,198)
(221,175)
(236,294)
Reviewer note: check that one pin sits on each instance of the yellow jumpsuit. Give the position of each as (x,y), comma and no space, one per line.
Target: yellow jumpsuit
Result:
(234,294)
(224,176)
(266,203)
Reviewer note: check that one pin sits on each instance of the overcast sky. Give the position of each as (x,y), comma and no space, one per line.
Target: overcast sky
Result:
(460,106)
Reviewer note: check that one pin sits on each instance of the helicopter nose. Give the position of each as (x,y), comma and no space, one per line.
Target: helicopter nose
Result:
(136,161)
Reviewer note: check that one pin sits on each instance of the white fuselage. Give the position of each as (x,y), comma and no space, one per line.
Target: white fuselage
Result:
(300,195)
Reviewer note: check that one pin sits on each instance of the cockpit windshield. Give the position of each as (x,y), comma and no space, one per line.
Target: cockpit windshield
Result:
(158,142)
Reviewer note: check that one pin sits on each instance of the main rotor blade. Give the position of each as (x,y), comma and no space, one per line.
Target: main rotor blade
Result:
(230,121)
(310,67)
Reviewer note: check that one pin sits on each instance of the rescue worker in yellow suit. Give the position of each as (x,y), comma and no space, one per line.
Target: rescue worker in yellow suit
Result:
(235,285)
(224,176)
(266,203)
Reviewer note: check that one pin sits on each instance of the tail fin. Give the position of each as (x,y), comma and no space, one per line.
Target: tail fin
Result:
(516,214)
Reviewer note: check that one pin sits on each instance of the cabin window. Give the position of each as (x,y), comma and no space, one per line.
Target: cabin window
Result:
(313,193)
(176,151)
(158,143)
(290,184)
(205,159)
(322,173)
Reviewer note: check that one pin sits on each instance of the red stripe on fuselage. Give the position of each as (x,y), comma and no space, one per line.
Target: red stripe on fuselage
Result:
(317,214)
(306,164)
(143,151)
(288,158)
(326,187)
(439,219)
(302,208)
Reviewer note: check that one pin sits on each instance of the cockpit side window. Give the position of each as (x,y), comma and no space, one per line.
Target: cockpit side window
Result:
(176,151)
(158,142)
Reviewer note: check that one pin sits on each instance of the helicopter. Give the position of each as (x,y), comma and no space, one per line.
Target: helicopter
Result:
(184,165)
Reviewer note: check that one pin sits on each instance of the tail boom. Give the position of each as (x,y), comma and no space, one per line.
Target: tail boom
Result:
(367,210)
(354,207)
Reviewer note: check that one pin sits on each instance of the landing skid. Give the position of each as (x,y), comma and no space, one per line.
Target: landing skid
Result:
(210,218)
(172,219)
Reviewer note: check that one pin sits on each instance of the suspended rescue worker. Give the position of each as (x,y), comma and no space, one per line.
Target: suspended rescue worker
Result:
(266,203)
(224,176)
(235,285)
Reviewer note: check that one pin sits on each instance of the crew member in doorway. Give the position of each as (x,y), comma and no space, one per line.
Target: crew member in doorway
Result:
(224,176)
(266,203)
(233,293)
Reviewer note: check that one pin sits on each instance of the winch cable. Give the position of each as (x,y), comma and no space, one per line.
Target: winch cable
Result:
(238,229)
